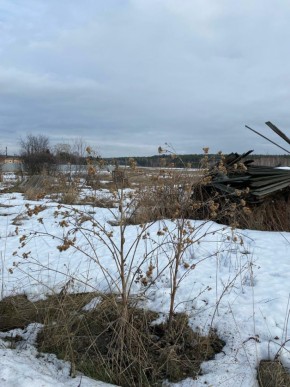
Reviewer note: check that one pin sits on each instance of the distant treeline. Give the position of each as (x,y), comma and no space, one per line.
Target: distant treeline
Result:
(193,160)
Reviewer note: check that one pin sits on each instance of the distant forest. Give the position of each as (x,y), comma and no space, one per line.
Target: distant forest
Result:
(193,160)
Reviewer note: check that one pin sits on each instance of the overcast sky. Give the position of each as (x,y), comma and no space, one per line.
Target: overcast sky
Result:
(129,75)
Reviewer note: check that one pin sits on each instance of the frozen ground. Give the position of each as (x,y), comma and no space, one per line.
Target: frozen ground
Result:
(239,285)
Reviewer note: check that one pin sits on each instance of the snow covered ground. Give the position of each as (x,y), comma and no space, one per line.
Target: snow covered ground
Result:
(238,284)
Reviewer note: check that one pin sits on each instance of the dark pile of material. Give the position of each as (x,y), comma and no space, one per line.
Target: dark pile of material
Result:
(237,192)
(239,174)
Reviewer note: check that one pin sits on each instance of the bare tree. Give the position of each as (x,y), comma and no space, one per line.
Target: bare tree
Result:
(64,154)
(79,149)
(36,154)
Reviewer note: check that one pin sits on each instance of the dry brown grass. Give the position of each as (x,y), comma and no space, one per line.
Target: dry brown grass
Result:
(272,374)
(141,177)
(271,215)
(122,346)
(160,194)
(58,187)
(111,343)
(70,195)
(18,311)
(101,202)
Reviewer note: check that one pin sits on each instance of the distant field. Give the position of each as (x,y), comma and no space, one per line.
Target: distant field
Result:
(149,175)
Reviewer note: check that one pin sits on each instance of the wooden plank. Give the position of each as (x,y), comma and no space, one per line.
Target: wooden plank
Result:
(278,131)
(268,171)
(227,180)
(235,158)
(268,182)
(269,189)
(266,138)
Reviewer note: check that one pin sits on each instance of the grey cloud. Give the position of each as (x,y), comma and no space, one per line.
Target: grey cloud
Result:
(131,75)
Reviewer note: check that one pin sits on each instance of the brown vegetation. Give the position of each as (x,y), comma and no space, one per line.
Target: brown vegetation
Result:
(100,343)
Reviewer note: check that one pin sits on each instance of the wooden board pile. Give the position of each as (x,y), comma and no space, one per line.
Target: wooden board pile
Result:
(260,182)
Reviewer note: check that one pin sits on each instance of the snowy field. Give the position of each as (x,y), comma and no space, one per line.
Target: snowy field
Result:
(238,284)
